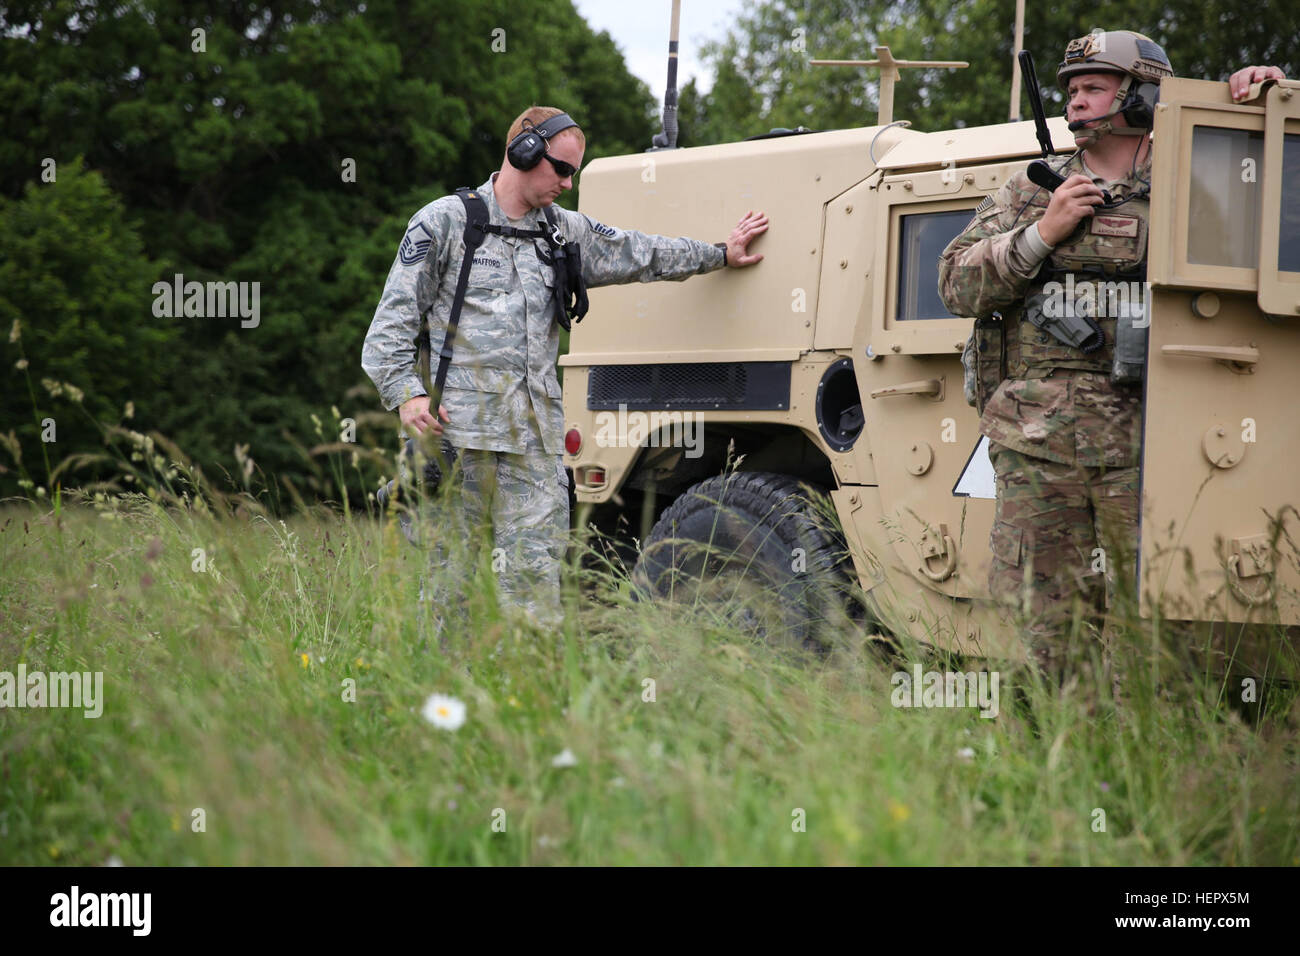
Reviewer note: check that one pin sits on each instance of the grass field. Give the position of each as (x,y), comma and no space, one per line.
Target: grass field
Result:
(267,710)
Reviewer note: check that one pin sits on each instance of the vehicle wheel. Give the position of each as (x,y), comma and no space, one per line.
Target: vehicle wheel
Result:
(752,547)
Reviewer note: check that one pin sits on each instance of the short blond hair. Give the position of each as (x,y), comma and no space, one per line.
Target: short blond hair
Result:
(536,116)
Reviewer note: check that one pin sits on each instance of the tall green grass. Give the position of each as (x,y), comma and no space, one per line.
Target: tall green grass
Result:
(225,692)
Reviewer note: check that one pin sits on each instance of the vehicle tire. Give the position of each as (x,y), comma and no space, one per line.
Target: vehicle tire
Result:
(752,547)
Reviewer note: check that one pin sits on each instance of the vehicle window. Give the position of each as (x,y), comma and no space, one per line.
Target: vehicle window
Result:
(923,237)
(1223,212)
(1288,253)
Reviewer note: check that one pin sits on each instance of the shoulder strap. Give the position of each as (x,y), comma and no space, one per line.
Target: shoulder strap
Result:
(476,228)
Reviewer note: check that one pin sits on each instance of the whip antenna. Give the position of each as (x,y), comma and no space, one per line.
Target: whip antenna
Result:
(667,139)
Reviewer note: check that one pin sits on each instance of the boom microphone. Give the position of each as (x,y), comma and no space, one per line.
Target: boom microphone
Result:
(1080,124)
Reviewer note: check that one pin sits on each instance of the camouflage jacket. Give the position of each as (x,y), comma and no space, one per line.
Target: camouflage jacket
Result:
(502,392)
(1071,416)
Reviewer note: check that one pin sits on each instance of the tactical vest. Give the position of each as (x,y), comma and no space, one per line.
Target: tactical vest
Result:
(1098,271)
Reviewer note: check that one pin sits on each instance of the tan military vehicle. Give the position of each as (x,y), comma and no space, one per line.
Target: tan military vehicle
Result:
(834,365)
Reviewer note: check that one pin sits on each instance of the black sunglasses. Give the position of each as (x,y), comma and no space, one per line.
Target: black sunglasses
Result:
(562,169)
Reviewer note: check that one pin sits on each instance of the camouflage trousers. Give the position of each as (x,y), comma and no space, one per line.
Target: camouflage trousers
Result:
(1061,534)
(518,502)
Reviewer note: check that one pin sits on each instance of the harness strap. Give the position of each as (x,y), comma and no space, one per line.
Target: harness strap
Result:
(512,232)
(476,229)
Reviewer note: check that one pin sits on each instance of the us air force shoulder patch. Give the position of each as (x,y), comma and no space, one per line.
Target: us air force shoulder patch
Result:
(609,232)
(984,206)
(415,244)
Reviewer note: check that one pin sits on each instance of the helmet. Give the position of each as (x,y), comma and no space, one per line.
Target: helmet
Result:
(1139,59)
(1115,51)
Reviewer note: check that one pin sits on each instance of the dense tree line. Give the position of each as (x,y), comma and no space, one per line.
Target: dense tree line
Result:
(284,143)
(761,76)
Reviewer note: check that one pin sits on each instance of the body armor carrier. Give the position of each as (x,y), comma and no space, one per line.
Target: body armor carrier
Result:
(1088,298)
(1090,284)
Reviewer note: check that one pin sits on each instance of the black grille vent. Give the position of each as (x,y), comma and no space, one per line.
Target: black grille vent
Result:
(696,386)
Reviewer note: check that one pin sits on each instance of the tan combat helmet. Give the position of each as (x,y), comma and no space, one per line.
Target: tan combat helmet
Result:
(1139,58)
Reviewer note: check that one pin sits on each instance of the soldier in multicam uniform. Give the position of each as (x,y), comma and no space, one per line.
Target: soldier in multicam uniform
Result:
(501,403)
(1064,424)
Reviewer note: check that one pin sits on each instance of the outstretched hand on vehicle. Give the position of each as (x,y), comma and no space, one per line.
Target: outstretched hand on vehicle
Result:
(414,413)
(751,226)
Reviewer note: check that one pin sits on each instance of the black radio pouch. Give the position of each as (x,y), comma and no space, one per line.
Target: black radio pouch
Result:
(984,361)
(571,302)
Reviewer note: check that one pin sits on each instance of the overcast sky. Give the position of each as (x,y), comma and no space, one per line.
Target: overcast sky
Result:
(640,29)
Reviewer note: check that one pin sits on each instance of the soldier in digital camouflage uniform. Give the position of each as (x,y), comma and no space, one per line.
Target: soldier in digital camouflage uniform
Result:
(1065,439)
(501,404)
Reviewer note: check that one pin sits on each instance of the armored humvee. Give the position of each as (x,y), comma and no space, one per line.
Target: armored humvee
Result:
(834,365)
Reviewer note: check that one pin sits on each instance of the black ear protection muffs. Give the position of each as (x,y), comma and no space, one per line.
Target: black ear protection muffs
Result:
(525,150)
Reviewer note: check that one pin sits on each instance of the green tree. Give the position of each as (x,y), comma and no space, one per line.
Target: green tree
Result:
(762,78)
(74,284)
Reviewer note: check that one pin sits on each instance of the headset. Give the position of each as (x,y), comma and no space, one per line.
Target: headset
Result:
(1138,106)
(525,150)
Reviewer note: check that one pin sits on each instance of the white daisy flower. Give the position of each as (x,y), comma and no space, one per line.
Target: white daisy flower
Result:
(445,713)
(564,758)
